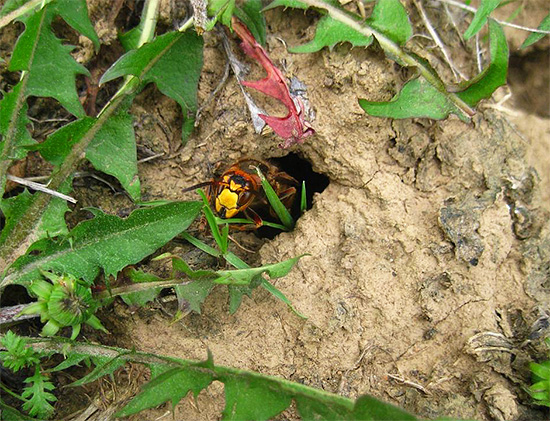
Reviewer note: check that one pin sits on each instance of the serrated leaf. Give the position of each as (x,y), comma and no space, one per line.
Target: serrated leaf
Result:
(106,242)
(144,295)
(537,36)
(245,276)
(70,360)
(37,395)
(330,32)
(17,354)
(369,408)
(252,399)
(251,14)
(391,19)
(172,385)
(104,366)
(222,10)
(172,61)
(51,69)
(194,293)
(541,371)
(480,17)
(13,117)
(417,98)
(388,17)
(52,222)
(130,39)
(58,145)
(75,13)
(12,5)
(316,409)
(484,84)
(295,4)
(113,151)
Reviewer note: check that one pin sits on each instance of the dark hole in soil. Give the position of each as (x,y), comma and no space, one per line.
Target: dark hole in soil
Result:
(13,295)
(301,170)
(529,77)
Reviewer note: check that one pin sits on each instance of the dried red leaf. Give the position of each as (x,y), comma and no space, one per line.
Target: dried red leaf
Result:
(293,128)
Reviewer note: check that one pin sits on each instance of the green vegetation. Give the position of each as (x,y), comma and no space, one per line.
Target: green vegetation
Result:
(60,266)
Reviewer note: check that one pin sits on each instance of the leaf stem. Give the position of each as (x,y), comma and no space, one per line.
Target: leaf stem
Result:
(392,48)
(149,19)
(187,24)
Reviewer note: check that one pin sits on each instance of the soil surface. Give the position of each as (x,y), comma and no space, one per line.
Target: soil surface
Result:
(428,273)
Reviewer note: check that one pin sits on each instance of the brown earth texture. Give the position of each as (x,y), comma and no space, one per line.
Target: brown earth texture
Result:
(427,278)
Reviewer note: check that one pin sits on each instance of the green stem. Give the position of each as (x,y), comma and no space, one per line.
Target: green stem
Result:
(221,373)
(4,20)
(149,19)
(12,393)
(25,231)
(392,48)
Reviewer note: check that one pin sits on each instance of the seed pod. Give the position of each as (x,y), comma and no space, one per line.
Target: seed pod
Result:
(70,303)
(41,289)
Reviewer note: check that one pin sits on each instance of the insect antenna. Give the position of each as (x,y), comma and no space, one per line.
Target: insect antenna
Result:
(197,186)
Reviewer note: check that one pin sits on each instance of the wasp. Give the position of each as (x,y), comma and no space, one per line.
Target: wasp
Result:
(238,190)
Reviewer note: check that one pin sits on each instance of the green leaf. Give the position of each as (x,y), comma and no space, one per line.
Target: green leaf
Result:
(417,98)
(388,17)
(295,4)
(278,294)
(536,36)
(480,18)
(222,10)
(330,32)
(142,291)
(51,69)
(37,395)
(172,385)
(321,409)
(52,223)
(103,367)
(75,13)
(194,293)
(245,276)
(391,19)
(58,145)
(369,408)
(13,116)
(540,371)
(252,399)
(113,151)
(13,5)
(70,361)
(280,209)
(17,354)
(251,14)
(221,240)
(12,414)
(13,130)
(106,242)
(484,84)
(130,39)
(173,62)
